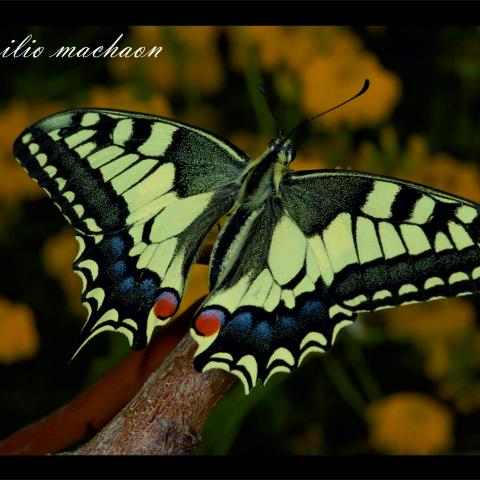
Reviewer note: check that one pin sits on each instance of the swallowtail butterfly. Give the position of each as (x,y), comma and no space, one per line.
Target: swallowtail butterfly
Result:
(302,253)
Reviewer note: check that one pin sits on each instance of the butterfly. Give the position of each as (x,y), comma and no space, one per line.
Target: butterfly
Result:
(301,254)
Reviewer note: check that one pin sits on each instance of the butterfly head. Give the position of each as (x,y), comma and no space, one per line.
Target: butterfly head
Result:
(283,148)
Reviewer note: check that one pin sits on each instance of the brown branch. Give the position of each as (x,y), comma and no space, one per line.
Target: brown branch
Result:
(176,400)
(166,417)
(96,406)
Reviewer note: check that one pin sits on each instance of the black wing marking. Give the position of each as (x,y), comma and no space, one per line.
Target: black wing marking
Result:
(386,242)
(269,307)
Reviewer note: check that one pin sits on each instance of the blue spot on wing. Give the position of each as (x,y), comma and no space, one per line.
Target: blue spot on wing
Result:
(242,322)
(311,308)
(286,322)
(120,268)
(116,246)
(127,285)
(148,287)
(263,330)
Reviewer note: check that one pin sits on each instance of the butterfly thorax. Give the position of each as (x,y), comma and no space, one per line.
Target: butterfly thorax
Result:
(262,176)
(259,193)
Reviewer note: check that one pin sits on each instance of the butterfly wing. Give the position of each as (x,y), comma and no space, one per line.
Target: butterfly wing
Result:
(388,242)
(286,278)
(268,307)
(142,192)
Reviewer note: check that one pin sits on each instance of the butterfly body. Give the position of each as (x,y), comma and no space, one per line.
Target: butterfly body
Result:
(299,256)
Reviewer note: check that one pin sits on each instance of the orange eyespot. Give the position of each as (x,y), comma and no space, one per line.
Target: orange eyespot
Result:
(209,322)
(166,305)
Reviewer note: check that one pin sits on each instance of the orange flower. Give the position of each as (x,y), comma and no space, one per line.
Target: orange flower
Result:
(330,65)
(158,72)
(197,37)
(437,328)
(15,184)
(417,164)
(465,395)
(444,172)
(58,255)
(18,335)
(332,78)
(147,35)
(189,59)
(450,319)
(267,41)
(409,423)
(123,98)
(203,72)
(197,286)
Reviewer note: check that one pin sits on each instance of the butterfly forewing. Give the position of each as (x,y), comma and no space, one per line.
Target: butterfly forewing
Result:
(388,242)
(142,193)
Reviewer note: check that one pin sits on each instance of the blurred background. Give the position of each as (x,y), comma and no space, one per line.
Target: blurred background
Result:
(401,381)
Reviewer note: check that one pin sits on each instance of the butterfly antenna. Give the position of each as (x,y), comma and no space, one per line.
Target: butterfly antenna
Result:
(263,91)
(361,92)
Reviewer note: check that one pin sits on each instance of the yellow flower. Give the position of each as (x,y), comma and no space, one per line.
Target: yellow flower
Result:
(123,98)
(465,395)
(437,328)
(19,338)
(197,286)
(268,43)
(450,319)
(416,163)
(203,72)
(146,35)
(444,172)
(197,37)
(332,78)
(15,184)
(409,423)
(160,72)
(58,255)
(189,59)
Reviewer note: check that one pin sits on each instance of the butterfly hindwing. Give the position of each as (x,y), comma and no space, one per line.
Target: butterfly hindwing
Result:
(142,192)
(288,276)
(269,306)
